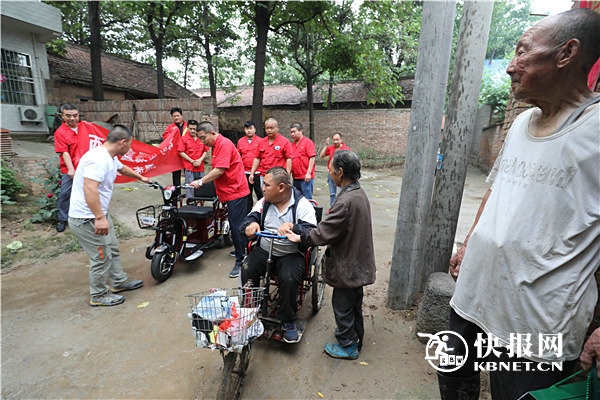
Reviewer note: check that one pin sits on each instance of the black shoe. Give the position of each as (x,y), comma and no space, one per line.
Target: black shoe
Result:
(235,272)
(61,226)
(232,253)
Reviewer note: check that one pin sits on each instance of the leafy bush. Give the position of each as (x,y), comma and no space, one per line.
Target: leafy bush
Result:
(495,92)
(51,183)
(10,184)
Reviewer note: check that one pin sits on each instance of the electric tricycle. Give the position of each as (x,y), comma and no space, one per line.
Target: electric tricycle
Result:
(183,231)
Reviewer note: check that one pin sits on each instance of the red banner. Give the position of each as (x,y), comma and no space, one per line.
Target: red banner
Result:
(595,72)
(143,158)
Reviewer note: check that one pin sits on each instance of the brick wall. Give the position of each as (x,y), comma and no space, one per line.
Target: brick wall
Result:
(28,169)
(149,117)
(383,132)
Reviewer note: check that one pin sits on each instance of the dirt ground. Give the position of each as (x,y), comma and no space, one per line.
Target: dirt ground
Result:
(55,346)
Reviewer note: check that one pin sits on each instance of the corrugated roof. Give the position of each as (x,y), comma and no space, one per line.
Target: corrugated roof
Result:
(117,73)
(274,95)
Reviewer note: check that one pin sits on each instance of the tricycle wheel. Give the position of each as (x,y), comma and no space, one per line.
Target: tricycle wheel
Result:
(162,266)
(227,239)
(234,372)
(318,284)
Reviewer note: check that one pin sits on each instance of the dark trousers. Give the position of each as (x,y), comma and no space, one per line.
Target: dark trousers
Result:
(64,198)
(347,310)
(289,270)
(237,213)
(505,385)
(255,187)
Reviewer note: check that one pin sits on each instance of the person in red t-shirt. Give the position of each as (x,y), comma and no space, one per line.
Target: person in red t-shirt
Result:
(193,151)
(273,151)
(328,151)
(230,184)
(71,141)
(247,147)
(178,128)
(303,161)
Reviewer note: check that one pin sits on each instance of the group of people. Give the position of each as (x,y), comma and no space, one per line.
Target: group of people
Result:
(527,265)
(281,170)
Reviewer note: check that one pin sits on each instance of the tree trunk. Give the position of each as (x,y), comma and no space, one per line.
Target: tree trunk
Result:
(209,58)
(431,78)
(330,92)
(262,20)
(309,104)
(95,50)
(160,79)
(460,123)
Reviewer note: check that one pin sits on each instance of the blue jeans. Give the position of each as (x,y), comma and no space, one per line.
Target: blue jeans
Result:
(332,189)
(64,198)
(237,213)
(306,188)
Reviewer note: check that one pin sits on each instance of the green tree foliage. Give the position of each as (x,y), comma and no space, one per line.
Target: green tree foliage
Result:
(120,32)
(510,19)
(495,91)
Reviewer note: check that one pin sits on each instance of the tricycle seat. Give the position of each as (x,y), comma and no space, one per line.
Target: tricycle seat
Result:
(197,212)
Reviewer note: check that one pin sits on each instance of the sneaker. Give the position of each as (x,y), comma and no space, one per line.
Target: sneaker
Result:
(235,271)
(232,253)
(129,284)
(336,351)
(290,332)
(107,299)
(61,226)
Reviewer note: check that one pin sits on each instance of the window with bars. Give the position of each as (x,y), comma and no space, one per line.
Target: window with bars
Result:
(16,79)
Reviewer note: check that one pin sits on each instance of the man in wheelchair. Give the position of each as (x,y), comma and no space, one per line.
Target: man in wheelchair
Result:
(282,208)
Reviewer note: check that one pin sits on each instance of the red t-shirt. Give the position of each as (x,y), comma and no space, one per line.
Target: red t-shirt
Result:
(232,185)
(273,154)
(66,140)
(174,130)
(194,148)
(332,149)
(304,149)
(247,150)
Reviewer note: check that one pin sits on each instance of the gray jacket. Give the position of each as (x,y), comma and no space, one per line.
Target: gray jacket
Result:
(349,261)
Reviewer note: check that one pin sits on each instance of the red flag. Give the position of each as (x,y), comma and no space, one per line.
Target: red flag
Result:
(143,158)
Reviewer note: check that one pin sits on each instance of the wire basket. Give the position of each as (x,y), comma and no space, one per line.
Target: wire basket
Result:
(226,319)
(146,217)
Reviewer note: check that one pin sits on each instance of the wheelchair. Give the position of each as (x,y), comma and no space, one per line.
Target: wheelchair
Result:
(312,281)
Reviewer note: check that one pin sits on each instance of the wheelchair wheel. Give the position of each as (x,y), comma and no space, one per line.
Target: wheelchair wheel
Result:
(234,372)
(318,284)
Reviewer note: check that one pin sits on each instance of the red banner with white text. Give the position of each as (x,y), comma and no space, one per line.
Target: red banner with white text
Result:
(143,158)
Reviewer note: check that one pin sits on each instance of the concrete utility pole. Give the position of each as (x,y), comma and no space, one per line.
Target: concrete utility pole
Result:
(460,125)
(428,98)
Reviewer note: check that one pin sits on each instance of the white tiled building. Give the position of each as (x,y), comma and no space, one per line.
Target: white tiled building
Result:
(26,27)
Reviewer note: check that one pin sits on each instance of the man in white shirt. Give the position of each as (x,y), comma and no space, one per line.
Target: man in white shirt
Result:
(89,220)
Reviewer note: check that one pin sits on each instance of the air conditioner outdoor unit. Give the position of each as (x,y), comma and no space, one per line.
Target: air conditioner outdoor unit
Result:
(31,114)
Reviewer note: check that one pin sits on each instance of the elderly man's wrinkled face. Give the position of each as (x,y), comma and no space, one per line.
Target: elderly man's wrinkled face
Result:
(532,69)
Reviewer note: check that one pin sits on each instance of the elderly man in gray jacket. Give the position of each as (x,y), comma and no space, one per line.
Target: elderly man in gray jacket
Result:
(349,262)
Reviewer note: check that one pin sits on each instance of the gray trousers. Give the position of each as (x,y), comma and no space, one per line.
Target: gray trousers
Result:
(103,251)
(189,177)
